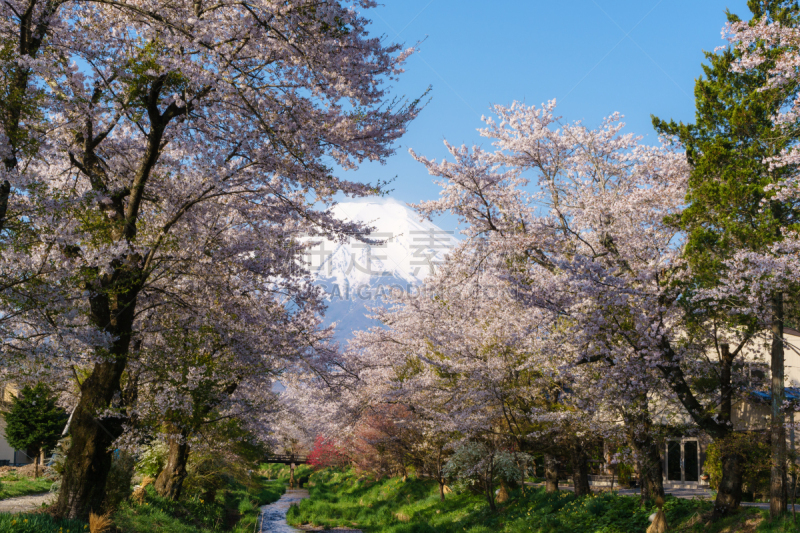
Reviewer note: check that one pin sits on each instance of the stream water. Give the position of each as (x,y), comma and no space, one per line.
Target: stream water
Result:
(273,516)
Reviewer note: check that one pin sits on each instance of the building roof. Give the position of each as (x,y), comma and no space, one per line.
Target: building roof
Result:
(792,394)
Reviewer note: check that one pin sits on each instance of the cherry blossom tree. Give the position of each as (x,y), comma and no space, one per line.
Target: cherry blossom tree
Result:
(594,247)
(472,364)
(145,127)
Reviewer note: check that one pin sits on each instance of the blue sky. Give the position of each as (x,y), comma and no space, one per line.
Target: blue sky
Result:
(595,57)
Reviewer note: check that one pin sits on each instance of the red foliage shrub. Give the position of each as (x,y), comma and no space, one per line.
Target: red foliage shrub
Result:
(384,441)
(327,452)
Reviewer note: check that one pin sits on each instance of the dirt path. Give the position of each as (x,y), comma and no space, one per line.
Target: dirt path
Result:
(30,502)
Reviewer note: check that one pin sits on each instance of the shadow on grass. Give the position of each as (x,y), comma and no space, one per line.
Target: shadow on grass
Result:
(342,498)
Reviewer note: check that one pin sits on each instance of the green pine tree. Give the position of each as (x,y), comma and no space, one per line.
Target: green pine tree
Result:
(34,421)
(729,207)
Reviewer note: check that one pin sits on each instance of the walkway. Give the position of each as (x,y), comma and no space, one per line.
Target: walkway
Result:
(22,504)
(688,494)
(703,494)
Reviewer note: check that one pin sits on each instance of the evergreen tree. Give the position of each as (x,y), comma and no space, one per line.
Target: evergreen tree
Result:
(34,421)
(730,207)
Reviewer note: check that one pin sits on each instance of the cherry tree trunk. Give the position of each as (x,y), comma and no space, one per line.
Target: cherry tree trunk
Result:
(580,470)
(729,492)
(652,474)
(440,473)
(651,470)
(88,460)
(551,472)
(89,457)
(640,438)
(777,493)
(5,191)
(489,484)
(170,481)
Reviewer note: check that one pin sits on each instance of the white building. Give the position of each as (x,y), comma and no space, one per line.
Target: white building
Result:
(684,457)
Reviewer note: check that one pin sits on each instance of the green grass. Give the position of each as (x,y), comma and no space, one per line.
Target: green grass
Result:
(198,516)
(38,523)
(236,502)
(393,506)
(12,486)
(280,472)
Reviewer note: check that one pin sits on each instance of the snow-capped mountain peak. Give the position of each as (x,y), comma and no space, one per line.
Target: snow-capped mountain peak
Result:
(409,251)
(356,275)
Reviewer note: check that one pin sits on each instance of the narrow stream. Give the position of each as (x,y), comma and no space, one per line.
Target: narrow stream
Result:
(273,516)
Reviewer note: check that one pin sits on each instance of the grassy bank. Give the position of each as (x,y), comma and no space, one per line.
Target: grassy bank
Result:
(13,486)
(280,472)
(394,506)
(235,510)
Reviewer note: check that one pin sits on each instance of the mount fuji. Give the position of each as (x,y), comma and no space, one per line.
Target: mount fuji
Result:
(356,276)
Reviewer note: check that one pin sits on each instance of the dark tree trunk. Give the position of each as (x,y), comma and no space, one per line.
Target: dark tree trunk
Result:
(580,470)
(170,481)
(89,457)
(777,492)
(551,472)
(644,483)
(5,192)
(439,473)
(652,473)
(729,492)
(490,484)
(638,428)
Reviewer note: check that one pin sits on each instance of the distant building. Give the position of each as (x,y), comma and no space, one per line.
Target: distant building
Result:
(683,458)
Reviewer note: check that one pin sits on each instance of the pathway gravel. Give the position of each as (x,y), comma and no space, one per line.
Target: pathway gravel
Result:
(22,504)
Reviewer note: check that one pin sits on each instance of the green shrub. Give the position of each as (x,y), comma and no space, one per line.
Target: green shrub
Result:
(597,506)
(756,456)
(153,459)
(59,457)
(118,486)
(624,474)
(246,506)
